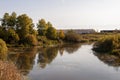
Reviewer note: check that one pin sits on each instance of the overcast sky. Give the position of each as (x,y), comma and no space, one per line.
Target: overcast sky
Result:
(97,14)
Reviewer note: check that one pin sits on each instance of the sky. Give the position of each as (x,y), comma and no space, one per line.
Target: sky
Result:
(68,14)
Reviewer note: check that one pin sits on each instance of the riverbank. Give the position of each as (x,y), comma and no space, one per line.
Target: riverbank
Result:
(109,44)
(8,71)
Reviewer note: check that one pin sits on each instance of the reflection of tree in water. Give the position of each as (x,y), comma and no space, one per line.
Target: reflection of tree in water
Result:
(111,60)
(47,55)
(61,50)
(70,48)
(23,59)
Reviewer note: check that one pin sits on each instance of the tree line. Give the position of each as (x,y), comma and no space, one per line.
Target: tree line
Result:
(20,29)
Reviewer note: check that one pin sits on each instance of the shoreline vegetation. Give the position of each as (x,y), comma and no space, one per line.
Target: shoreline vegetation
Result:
(19,31)
(108,44)
(8,71)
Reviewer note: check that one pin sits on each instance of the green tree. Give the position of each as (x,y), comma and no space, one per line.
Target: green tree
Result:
(49,24)
(5,20)
(42,27)
(9,21)
(3,33)
(51,33)
(12,20)
(24,25)
(12,36)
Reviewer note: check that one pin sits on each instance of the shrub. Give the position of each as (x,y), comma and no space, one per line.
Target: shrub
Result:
(107,44)
(3,49)
(72,36)
(31,40)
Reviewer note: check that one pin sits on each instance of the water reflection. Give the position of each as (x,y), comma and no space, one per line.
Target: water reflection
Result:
(46,56)
(70,48)
(110,60)
(24,58)
(72,61)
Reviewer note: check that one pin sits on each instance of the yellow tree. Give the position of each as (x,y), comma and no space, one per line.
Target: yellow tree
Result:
(61,34)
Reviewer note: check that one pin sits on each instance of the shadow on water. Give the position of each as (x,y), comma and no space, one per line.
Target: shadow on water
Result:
(24,58)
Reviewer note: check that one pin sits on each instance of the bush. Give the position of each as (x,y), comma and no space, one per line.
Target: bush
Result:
(107,44)
(3,49)
(72,36)
(31,40)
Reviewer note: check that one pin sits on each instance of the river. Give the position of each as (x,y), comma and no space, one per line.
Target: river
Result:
(66,62)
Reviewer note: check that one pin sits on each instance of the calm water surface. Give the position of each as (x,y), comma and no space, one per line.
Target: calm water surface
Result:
(67,62)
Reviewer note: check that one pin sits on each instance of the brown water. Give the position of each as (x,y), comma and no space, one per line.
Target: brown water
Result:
(67,62)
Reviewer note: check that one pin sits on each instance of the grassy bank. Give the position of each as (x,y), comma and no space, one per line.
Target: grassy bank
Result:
(8,71)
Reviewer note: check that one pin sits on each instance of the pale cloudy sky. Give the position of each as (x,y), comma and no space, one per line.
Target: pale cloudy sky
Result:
(97,14)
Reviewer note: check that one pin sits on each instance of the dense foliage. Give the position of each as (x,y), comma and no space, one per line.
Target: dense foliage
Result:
(42,27)
(108,44)
(61,34)
(72,36)
(18,30)
(31,40)
(3,50)
(14,29)
(51,33)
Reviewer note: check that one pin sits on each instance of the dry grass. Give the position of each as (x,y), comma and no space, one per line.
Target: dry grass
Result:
(8,71)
